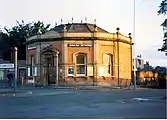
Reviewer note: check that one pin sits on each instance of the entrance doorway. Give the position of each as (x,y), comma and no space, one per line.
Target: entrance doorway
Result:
(49,68)
(49,65)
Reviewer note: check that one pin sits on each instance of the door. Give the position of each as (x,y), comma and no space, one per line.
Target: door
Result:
(49,68)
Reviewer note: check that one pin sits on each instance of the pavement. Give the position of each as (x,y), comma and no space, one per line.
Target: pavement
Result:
(29,90)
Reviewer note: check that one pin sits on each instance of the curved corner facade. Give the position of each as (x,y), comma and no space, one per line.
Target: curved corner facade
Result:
(79,53)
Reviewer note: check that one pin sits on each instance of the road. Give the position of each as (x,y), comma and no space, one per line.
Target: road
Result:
(86,104)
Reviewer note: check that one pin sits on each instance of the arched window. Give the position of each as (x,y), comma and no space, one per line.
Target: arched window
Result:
(108,64)
(81,64)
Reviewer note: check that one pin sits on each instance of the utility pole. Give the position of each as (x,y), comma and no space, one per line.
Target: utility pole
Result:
(15,64)
(134,28)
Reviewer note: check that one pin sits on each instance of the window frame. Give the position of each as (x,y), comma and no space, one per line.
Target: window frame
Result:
(109,66)
(77,65)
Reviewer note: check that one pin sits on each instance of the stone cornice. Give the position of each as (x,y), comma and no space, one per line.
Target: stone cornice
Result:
(54,36)
(78,39)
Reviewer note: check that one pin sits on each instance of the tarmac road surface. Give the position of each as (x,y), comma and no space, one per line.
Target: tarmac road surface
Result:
(146,103)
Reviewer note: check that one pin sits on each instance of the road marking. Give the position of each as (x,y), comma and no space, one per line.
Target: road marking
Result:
(140,99)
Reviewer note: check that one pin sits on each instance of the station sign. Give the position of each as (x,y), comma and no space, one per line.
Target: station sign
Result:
(6,66)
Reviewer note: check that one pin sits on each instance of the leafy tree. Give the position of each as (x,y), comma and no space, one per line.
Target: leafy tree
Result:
(17,36)
(163,10)
(3,43)
(163,7)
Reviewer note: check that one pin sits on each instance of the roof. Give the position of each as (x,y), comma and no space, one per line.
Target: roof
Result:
(78,27)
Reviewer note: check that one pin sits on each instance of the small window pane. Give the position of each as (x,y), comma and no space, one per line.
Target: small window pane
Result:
(80,59)
(81,69)
(71,70)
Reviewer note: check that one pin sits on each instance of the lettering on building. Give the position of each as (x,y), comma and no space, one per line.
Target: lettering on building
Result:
(79,45)
(3,66)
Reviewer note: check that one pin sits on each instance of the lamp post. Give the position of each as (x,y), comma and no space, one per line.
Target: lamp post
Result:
(39,32)
(94,55)
(118,54)
(15,65)
(134,30)
(131,66)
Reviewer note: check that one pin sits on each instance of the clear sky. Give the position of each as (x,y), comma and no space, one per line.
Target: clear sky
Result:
(109,14)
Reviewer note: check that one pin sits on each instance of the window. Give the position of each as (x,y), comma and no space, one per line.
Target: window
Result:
(71,71)
(81,65)
(108,64)
(32,61)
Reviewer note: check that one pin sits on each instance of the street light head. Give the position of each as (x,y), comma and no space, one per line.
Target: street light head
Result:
(130,35)
(15,48)
(118,29)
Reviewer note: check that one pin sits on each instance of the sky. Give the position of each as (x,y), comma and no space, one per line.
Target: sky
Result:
(109,15)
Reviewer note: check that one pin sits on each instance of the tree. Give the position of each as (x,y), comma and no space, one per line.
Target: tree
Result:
(161,76)
(163,7)
(163,10)
(17,36)
(4,40)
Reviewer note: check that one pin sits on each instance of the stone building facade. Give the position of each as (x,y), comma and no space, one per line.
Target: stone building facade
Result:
(80,53)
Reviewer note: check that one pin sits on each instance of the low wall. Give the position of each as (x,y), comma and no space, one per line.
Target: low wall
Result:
(102,81)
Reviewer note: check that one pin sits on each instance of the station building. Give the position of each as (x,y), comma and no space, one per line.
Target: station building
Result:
(79,53)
